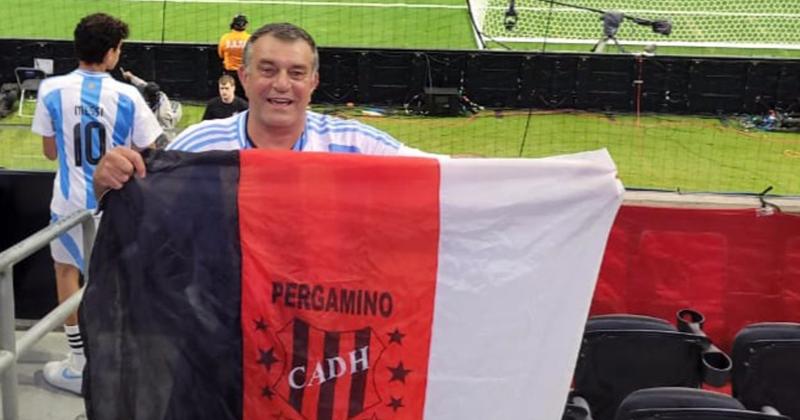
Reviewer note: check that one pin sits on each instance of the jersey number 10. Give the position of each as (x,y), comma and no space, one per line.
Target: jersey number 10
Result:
(83,142)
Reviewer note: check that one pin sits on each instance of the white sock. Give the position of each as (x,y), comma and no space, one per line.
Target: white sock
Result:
(76,346)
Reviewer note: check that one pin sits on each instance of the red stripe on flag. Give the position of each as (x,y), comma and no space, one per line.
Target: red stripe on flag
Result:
(343,244)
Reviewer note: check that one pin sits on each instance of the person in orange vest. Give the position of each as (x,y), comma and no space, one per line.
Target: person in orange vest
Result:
(231,48)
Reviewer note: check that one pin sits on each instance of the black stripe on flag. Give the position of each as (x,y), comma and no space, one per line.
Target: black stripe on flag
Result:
(299,359)
(327,389)
(358,384)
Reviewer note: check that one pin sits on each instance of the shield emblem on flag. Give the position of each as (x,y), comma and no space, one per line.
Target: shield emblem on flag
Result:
(322,374)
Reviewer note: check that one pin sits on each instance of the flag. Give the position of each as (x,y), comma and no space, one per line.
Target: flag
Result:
(268,285)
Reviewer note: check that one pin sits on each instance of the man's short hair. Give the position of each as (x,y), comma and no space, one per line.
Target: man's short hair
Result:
(96,34)
(284,32)
(226,79)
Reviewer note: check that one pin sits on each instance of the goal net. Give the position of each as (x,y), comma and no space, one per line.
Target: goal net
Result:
(763,24)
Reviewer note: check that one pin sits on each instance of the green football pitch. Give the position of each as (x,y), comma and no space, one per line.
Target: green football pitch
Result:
(423,24)
(655,152)
(415,24)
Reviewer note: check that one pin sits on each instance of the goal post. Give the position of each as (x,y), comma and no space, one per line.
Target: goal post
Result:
(477,13)
(766,24)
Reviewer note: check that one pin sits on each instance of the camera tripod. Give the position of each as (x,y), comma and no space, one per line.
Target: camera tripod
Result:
(611,23)
(600,46)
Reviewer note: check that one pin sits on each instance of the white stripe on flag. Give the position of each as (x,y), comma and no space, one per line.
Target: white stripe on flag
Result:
(519,253)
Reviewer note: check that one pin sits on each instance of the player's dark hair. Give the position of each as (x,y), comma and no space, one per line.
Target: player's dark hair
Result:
(96,34)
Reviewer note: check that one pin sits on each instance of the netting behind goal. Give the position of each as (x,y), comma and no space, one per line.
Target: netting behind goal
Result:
(699,23)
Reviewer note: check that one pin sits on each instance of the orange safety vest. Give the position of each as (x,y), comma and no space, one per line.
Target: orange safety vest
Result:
(231,49)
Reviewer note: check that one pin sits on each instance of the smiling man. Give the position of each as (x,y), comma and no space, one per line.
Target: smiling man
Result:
(279,73)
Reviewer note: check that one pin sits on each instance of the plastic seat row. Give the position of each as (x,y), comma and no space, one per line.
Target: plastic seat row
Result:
(622,354)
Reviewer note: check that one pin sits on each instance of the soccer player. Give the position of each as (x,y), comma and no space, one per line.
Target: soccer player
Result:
(227,103)
(279,73)
(231,47)
(81,116)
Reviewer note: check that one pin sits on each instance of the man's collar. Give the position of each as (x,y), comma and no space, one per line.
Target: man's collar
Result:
(298,145)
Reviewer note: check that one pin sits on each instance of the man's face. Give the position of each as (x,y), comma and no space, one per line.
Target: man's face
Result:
(279,81)
(226,92)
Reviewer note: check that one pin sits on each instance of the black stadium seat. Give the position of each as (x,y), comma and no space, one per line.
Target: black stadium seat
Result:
(766,367)
(674,403)
(623,353)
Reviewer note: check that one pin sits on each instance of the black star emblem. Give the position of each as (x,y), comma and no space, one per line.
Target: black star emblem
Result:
(267,358)
(266,392)
(399,373)
(260,324)
(395,404)
(396,336)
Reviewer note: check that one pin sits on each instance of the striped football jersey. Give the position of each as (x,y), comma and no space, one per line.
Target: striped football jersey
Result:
(88,113)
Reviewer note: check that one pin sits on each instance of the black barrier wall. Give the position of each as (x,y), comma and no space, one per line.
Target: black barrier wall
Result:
(25,209)
(492,79)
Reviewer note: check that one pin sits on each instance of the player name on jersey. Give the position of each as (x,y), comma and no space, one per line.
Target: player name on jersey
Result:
(89,109)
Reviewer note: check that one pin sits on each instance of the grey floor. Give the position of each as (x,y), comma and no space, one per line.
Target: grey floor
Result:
(37,399)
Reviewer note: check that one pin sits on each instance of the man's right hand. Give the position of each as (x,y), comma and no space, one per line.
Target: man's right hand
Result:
(116,168)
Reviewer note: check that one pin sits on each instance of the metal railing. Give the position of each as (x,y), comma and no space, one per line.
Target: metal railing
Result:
(10,349)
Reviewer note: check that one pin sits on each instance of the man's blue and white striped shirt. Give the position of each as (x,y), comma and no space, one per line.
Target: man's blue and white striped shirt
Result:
(323,133)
